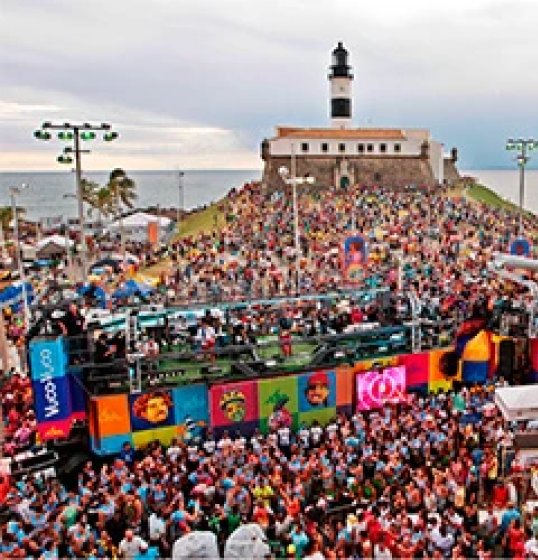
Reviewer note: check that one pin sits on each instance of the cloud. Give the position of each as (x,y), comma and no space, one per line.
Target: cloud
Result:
(215,77)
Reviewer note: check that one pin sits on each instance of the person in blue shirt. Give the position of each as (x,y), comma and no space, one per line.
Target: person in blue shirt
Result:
(147,552)
(509,515)
(127,453)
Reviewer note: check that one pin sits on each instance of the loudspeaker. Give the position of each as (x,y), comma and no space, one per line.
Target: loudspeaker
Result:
(448,364)
(507,359)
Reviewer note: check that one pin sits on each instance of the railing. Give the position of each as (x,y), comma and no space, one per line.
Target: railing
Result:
(182,360)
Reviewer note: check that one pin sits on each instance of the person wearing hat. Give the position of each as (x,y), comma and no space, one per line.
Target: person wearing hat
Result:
(317,389)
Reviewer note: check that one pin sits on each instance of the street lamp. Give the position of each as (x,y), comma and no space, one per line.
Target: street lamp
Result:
(14,192)
(523,146)
(76,132)
(291,179)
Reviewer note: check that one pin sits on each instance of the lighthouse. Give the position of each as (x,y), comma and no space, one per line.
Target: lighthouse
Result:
(340,78)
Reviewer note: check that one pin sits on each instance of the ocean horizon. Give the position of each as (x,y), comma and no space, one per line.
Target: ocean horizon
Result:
(45,196)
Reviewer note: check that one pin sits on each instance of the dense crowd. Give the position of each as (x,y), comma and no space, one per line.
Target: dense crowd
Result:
(420,479)
(444,243)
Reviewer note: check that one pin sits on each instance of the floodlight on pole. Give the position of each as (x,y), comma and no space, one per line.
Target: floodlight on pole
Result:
(77,132)
(523,147)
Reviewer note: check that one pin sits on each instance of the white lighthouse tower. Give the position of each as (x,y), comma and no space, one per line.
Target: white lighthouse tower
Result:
(340,78)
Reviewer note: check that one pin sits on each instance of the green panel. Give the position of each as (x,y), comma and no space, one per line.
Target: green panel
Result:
(164,435)
(278,392)
(323,416)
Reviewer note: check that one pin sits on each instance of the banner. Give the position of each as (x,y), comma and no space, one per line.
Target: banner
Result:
(153,233)
(151,410)
(375,388)
(234,406)
(417,368)
(191,410)
(52,398)
(520,247)
(354,257)
(279,404)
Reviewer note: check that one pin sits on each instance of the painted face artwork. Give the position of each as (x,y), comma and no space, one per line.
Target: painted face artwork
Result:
(317,391)
(233,406)
(157,410)
(153,407)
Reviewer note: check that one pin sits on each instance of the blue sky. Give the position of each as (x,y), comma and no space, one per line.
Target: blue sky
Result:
(198,84)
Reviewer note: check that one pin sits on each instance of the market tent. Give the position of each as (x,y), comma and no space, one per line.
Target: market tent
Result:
(52,246)
(517,403)
(132,288)
(12,294)
(135,226)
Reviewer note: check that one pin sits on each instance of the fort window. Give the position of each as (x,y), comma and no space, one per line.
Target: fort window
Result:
(382,148)
(304,147)
(360,148)
(341,147)
(370,148)
(397,148)
(377,177)
(325,147)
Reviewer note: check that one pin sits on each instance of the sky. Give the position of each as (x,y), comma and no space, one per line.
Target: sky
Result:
(197,84)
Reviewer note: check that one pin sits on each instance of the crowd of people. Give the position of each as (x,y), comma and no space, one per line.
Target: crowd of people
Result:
(422,479)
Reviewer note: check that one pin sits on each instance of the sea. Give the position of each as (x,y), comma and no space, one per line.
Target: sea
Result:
(46,197)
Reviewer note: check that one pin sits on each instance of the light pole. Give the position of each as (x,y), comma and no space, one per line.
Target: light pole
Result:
(68,238)
(181,201)
(76,133)
(14,192)
(523,147)
(291,179)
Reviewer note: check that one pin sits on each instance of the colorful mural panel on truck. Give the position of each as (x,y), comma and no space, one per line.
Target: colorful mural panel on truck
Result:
(266,403)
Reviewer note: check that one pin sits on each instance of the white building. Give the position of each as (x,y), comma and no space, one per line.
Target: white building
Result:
(342,155)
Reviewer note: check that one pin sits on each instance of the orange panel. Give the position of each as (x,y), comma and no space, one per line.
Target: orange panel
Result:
(344,385)
(113,415)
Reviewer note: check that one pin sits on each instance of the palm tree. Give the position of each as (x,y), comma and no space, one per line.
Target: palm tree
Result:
(89,190)
(6,216)
(122,187)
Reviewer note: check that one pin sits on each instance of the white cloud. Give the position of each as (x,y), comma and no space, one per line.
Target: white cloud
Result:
(214,76)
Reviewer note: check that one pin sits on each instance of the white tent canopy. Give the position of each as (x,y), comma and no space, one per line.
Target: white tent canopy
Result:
(57,240)
(518,403)
(140,219)
(135,226)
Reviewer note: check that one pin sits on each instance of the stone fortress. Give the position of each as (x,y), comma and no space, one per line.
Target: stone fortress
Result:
(341,155)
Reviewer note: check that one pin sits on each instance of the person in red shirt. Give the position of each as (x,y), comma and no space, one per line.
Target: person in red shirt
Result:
(515,539)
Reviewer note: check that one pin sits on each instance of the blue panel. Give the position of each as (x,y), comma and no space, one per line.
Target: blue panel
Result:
(48,358)
(52,400)
(111,445)
(475,372)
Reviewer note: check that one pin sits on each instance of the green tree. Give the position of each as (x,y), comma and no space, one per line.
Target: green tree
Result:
(123,188)
(6,216)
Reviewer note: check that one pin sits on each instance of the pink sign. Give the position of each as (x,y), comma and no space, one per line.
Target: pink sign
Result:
(375,388)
